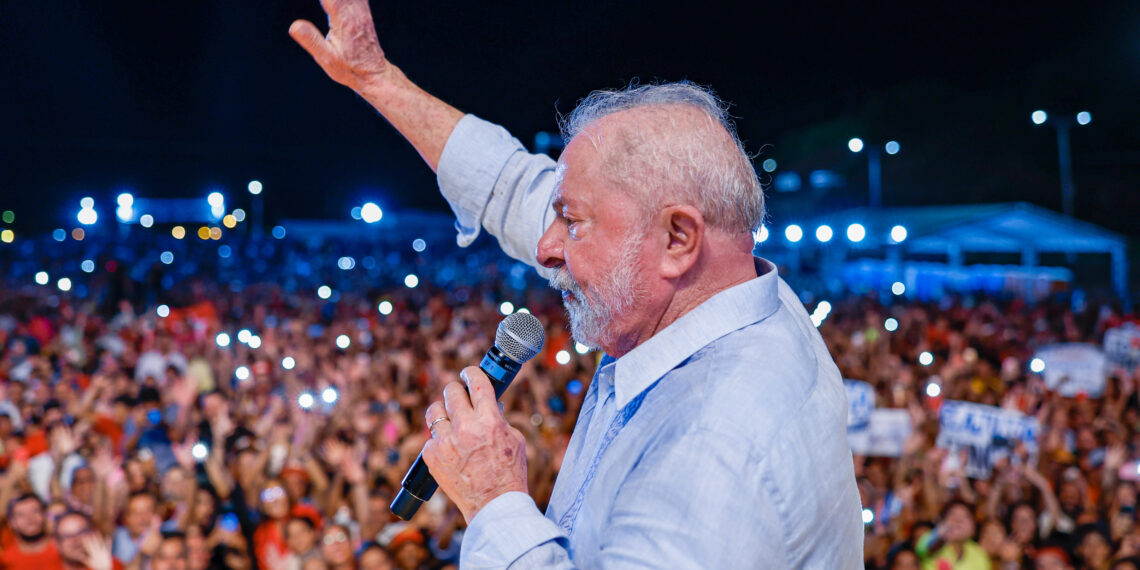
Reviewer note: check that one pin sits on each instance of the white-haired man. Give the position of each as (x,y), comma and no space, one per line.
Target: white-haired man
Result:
(713,433)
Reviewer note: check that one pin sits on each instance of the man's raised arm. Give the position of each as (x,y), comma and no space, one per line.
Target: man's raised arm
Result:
(486,175)
(351,55)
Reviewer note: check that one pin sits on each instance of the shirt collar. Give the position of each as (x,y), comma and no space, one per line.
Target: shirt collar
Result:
(724,312)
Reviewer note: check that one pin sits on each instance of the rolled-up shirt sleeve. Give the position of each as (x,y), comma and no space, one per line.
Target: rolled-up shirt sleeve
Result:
(491,182)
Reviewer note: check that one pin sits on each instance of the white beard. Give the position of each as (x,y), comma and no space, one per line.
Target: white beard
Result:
(593,312)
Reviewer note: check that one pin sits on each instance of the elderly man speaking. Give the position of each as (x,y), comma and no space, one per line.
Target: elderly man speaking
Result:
(713,432)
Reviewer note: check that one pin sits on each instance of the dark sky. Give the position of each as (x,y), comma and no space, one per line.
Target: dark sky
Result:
(174,98)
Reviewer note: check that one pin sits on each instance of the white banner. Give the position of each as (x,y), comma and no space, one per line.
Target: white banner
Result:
(886,433)
(1122,347)
(988,432)
(860,403)
(1073,369)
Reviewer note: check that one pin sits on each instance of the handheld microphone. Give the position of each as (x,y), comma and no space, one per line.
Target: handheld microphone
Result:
(519,337)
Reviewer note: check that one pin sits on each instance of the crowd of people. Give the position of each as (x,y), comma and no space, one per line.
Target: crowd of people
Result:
(257,406)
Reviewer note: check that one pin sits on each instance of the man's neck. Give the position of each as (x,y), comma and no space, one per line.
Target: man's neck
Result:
(31,546)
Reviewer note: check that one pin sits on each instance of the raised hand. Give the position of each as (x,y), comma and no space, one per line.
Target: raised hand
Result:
(350,53)
(98,553)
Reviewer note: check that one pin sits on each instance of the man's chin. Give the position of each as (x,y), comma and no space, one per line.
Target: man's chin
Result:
(31,537)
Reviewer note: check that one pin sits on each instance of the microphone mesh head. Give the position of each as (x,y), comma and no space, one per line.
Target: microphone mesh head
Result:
(520,336)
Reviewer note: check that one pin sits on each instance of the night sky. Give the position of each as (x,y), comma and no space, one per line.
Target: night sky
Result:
(178,98)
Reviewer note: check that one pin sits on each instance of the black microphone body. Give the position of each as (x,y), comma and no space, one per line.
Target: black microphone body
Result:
(418,485)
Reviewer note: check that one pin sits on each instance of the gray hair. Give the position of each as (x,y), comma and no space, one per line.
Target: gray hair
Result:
(682,148)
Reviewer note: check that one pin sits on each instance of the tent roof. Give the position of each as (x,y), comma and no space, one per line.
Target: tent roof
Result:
(1004,227)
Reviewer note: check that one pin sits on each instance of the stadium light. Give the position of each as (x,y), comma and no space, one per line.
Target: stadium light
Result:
(371,213)
(794,233)
(856,233)
(824,233)
(898,234)
(855,144)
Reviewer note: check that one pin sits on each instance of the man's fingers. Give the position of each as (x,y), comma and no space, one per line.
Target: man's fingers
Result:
(480,389)
(310,38)
(455,400)
(440,428)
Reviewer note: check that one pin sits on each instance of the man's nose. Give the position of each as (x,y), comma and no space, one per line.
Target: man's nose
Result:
(549,253)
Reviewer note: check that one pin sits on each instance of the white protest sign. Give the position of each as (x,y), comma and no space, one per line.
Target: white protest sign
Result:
(988,432)
(1073,369)
(888,432)
(1122,347)
(860,403)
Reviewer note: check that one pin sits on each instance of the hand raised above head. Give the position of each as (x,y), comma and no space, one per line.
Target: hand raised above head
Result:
(350,53)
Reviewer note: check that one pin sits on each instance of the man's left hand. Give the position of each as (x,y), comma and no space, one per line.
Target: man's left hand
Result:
(474,454)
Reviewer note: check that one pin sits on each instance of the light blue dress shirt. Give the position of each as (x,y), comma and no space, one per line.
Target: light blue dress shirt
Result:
(720,442)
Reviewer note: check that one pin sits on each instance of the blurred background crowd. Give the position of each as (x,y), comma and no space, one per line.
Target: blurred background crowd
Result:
(256,405)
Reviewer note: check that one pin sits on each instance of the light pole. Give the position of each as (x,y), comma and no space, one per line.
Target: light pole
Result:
(874,166)
(1064,154)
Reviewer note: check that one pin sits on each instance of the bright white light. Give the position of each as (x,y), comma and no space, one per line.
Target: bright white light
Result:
(1036,366)
(146,220)
(1084,118)
(42,278)
(856,232)
(562,357)
(329,395)
(254,342)
(305,400)
(385,307)
(823,307)
(506,307)
(761,235)
(933,390)
(87,216)
(87,203)
(346,263)
(288,363)
(222,340)
(411,281)
(244,335)
(898,234)
(891,325)
(87,266)
(892,147)
(199,451)
(371,213)
(1039,117)
(868,516)
(855,144)
(163,311)
(124,213)
(419,245)
(581,348)
(125,200)
(769,165)
(254,187)
(898,288)
(166,257)
(824,233)
(926,359)
(216,200)
(64,284)
(242,373)
(324,291)
(342,341)
(522,310)
(794,233)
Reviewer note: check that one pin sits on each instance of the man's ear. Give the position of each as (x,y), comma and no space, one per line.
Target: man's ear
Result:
(685,227)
